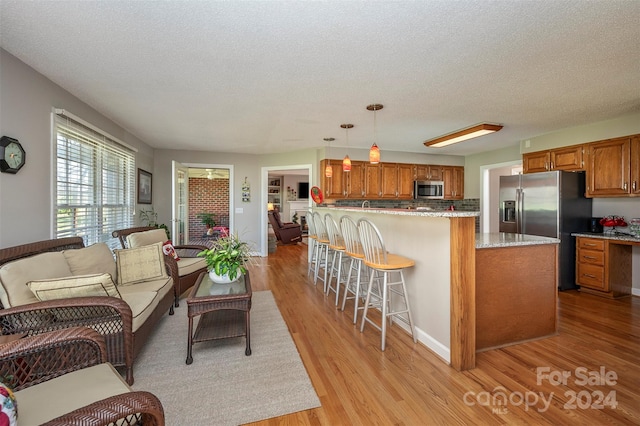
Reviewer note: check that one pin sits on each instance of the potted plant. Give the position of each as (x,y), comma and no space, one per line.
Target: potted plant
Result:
(227,259)
(208,220)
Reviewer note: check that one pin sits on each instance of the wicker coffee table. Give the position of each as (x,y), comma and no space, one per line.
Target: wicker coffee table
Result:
(224,309)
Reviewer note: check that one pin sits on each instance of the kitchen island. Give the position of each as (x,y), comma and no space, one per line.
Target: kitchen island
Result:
(516,289)
(442,284)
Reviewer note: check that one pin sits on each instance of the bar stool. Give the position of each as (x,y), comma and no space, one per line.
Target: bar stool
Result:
(322,258)
(336,251)
(313,244)
(353,249)
(377,258)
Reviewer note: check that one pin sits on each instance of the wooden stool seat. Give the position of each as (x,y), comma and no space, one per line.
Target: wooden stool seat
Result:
(394,261)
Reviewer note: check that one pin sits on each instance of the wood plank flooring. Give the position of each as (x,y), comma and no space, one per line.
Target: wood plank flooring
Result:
(409,385)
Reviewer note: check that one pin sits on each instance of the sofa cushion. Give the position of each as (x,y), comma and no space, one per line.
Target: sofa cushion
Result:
(53,398)
(95,259)
(145,238)
(188,265)
(139,264)
(15,275)
(74,286)
(144,297)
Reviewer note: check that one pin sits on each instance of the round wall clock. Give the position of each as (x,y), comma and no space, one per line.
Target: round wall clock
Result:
(12,155)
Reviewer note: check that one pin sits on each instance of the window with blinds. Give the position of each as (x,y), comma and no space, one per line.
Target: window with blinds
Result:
(95,183)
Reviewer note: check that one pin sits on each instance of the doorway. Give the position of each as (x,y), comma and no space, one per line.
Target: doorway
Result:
(490,192)
(285,200)
(201,188)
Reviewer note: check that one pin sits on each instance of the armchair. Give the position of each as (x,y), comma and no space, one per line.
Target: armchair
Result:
(62,378)
(184,272)
(286,233)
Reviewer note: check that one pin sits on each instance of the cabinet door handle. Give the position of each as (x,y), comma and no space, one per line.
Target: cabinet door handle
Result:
(589,276)
(589,244)
(634,185)
(552,165)
(589,257)
(625,186)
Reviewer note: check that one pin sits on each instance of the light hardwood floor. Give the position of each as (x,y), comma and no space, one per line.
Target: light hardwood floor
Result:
(409,385)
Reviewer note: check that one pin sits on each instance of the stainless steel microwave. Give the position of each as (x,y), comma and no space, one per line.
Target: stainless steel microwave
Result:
(432,189)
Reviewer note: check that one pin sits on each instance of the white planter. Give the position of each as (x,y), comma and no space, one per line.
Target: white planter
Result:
(222,279)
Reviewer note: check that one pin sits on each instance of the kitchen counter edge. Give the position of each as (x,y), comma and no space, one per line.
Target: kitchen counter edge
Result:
(407,212)
(603,236)
(504,239)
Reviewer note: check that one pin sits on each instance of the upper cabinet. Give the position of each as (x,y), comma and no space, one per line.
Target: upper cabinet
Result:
(428,172)
(565,158)
(613,168)
(387,180)
(453,177)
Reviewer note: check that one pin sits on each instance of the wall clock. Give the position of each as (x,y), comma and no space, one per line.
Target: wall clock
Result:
(12,155)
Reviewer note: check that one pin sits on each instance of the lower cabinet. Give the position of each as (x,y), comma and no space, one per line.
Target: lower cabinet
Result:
(602,267)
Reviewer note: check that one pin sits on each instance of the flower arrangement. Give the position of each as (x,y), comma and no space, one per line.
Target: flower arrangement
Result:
(613,220)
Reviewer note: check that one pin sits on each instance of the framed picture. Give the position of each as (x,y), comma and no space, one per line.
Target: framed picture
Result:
(144,187)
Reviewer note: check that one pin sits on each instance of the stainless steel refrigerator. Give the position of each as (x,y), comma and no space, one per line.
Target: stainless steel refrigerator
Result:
(549,204)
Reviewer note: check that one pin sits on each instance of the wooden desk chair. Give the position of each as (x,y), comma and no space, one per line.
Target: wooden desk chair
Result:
(386,264)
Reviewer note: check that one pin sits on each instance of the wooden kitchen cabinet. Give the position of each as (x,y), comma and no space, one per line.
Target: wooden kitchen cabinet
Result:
(609,168)
(428,172)
(354,182)
(603,267)
(389,172)
(453,177)
(373,181)
(405,181)
(334,186)
(569,158)
(635,165)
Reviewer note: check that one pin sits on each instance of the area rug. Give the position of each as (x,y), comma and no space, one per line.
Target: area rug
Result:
(223,386)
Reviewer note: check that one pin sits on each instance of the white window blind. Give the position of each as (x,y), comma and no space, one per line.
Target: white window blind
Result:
(95,183)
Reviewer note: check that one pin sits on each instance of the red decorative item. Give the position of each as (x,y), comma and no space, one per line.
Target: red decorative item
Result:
(613,221)
(167,249)
(316,195)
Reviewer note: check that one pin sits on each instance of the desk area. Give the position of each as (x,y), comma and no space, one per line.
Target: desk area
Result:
(604,264)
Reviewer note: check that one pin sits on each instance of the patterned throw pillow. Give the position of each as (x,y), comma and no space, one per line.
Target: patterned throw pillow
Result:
(74,286)
(8,406)
(140,264)
(169,250)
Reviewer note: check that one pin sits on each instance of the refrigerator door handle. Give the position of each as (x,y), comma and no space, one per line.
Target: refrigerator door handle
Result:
(519,211)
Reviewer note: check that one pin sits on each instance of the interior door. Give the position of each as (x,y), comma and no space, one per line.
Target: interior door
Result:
(180,198)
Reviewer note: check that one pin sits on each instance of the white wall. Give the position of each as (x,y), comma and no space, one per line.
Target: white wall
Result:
(26,103)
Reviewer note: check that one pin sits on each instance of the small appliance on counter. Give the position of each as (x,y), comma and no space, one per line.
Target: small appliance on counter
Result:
(595,226)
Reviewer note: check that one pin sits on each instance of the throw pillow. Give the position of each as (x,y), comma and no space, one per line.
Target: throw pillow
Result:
(95,259)
(8,406)
(74,286)
(169,250)
(145,238)
(140,264)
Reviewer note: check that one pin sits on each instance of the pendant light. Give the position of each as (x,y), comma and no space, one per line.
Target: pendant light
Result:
(374,152)
(328,170)
(346,162)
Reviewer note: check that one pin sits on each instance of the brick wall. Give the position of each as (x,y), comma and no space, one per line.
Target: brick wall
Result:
(211,196)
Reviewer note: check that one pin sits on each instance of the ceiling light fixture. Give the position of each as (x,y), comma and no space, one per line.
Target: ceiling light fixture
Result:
(463,135)
(328,170)
(346,162)
(374,152)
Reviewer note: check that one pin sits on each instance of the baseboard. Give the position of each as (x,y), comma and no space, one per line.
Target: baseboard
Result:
(635,291)
(435,346)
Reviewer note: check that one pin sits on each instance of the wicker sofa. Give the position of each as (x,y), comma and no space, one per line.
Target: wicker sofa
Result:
(62,378)
(125,321)
(186,270)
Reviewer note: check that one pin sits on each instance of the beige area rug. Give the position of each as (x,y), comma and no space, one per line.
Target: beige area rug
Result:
(223,386)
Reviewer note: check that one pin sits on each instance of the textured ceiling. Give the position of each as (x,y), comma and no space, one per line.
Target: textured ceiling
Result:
(267,77)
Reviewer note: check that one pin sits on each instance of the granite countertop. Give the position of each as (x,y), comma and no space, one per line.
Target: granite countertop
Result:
(607,236)
(503,239)
(409,212)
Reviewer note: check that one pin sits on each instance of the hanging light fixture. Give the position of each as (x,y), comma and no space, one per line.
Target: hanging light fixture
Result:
(346,162)
(328,170)
(374,152)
